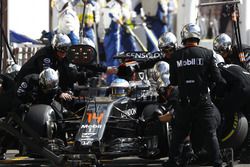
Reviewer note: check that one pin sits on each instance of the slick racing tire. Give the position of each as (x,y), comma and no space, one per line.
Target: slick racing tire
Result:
(42,118)
(156,128)
(234,130)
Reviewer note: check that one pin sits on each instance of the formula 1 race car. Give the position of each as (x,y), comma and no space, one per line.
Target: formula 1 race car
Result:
(108,128)
(103,127)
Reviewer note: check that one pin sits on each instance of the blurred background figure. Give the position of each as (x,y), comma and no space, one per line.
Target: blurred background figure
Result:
(128,42)
(102,25)
(68,22)
(172,11)
(156,17)
(112,37)
(119,36)
(208,20)
(88,15)
(102,3)
(224,19)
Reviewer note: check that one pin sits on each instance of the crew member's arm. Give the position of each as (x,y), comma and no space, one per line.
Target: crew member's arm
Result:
(216,77)
(25,91)
(166,117)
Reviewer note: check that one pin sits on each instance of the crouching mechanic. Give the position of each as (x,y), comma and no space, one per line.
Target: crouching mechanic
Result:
(41,88)
(223,45)
(168,94)
(236,97)
(193,145)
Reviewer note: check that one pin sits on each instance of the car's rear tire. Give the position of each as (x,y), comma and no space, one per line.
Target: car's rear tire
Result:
(42,118)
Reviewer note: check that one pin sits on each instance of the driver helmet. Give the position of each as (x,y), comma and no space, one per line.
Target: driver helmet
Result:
(190,31)
(167,42)
(222,44)
(48,80)
(61,42)
(119,87)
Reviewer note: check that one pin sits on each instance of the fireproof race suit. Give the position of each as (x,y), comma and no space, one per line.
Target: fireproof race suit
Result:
(45,58)
(192,68)
(30,92)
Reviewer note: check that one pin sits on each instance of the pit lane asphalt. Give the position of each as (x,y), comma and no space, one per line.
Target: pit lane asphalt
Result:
(13,161)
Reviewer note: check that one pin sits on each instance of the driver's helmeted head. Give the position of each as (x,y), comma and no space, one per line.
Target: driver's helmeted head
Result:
(167,43)
(222,44)
(60,43)
(48,80)
(119,88)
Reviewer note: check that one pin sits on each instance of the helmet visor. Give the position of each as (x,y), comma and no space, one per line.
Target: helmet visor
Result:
(118,91)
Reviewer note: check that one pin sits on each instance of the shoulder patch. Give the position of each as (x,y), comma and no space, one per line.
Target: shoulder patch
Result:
(24,85)
(46,60)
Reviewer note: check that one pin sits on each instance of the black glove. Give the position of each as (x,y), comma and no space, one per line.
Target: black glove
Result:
(126,71)
(162,91)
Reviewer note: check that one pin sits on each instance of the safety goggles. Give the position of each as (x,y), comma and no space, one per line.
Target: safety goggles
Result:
(167,49)
(221,51)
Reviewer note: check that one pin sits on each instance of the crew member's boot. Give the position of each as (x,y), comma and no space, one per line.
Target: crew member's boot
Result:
(22,151)
(171,163)
(2,153)
(2,147)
